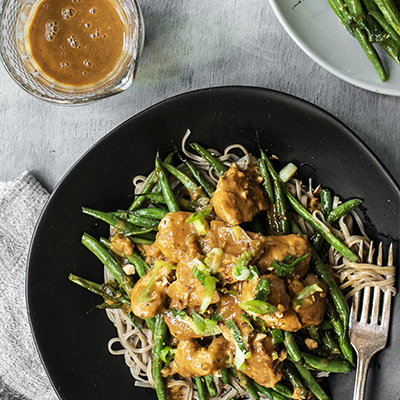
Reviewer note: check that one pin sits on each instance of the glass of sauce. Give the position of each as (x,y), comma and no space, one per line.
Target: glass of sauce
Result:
(71,51)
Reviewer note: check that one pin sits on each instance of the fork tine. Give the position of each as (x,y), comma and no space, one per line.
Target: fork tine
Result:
(380,255)
(376,305)
(355,308)
(365,305)
(387,300)
(371,252)
(390,256)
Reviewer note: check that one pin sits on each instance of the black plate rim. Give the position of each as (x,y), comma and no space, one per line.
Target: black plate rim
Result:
(114,131)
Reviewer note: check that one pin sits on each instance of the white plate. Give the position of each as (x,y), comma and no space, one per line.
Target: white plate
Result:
(319,33)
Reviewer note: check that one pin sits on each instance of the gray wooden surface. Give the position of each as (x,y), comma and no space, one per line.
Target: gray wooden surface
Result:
(189,45)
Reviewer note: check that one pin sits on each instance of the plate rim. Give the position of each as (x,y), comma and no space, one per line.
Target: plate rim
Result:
(320,61)
(229,88)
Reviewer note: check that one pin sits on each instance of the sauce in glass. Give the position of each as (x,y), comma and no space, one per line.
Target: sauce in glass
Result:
(77,42)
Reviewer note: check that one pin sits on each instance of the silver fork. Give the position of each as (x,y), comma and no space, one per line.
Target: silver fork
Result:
(369,329)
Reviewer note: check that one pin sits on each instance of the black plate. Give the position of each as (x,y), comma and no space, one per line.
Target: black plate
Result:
(71,337)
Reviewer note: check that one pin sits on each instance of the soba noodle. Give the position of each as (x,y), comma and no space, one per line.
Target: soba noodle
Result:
(136,345)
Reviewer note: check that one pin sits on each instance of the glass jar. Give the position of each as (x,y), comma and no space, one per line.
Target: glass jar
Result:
(19,63)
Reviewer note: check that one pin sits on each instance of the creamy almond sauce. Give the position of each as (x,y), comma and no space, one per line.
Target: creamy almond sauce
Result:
(77,42)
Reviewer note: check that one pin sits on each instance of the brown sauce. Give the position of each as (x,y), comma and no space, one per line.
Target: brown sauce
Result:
(77,42)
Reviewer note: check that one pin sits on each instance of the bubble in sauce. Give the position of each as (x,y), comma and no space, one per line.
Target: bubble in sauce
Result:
(93,10)
(67,12)
(50,30)
(72,41)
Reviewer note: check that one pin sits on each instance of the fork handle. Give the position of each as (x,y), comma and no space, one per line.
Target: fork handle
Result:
(361,375)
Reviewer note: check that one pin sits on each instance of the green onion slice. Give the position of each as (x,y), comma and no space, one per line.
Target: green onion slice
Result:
(305,293)
(258,307)
(263,288)
(241,354)
(288,264)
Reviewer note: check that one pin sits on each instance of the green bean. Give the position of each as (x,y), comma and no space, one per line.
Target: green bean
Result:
(209,380)
(337,296)
(342,210)
(371,53)
(139,200)
(377,14)
(280,201)
(295,379)
(219,167)
(314,334)
(390,12)
(184,203)
(294,227)
(111,219)
(311,382)
(141,240)
(266,181)
(326,201)
(330,342)
(270,394)
(200,178)
(323,364)
(343,339)
(291,345)
(97,289)
(357,11)
(160,334)
(225,376)
(151,212)
(248,384)
(322,229)
(392,48)
(108,260)
(201,388)
(359,34)
(341,11)
(283,390)
(186,181)
(140,265)
(137,220)
(167,192)
(334,216)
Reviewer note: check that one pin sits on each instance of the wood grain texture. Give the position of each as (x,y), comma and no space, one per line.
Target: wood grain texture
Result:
(190,45)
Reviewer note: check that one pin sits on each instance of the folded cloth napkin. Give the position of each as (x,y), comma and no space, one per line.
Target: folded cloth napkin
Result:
(22,376)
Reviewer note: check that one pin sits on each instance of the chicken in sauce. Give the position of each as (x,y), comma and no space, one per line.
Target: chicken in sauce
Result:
(253,290)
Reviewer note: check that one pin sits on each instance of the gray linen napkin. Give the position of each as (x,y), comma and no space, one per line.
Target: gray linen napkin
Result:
(22,376)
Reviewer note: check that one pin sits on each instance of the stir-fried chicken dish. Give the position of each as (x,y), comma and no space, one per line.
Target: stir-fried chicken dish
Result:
(223,287)
(248,292)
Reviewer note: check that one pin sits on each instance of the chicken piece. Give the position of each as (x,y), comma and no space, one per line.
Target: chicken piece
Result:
(176,238)
(313,309)
(264,364)
(278,247)
(192,359)
(121,245)
(239,196)
(229,309)
(287,321)
(187,290)
(277,296)
(157,293)
(233,241)
(178,328)
(285,318)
